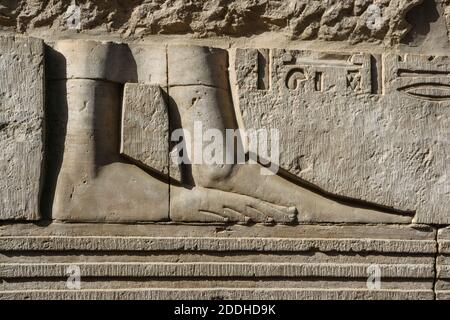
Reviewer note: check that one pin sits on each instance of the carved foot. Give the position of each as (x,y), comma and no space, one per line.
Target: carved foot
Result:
(208,205)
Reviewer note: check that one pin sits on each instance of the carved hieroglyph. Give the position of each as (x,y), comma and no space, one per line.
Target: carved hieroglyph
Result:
(21,127)
(357,126)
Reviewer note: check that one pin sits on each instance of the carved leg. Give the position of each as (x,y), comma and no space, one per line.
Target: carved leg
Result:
(199,88)
(93,182)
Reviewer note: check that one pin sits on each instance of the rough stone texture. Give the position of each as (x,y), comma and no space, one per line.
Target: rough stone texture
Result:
(357,127)
(353,20)
(145,126)
(21,127)
(304,259)
(443,265)
(359,90)
(445,5)
(201,95)
(215,294)
(89,180)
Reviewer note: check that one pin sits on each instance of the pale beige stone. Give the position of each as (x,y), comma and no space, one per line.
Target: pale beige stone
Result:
(203,97)
(21,127)
(93,182)
(150,62)
(209,205)
(353,136)
(86,59)
(90,181)
(214,269)
(359,89)
(145,126)
(443,265)
(336,257)
(221,293)
(350,20)
(208,66)
(145,284)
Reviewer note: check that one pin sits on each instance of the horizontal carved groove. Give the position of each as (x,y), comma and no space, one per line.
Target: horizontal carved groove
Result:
(220,293)
(200,84)
(215,269)
(213,256)
(36,283)
(59,243)
(417,73)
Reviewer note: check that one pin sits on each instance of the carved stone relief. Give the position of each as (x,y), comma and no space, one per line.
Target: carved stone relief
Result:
(145,126)
(353,20)
(21,127)
(395,172)
(352,169)
(355,136)
(94,183)
(86,103)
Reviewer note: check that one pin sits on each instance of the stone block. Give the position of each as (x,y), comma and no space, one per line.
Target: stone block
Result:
(21,127)
(348,133)
(145,126)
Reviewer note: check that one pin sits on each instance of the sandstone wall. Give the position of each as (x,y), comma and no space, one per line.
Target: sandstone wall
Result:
(355,205)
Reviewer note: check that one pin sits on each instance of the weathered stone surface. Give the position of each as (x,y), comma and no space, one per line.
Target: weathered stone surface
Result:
(213,269)
(91,60)
(89,180)
(352,134)
(335,257)
(145,126)
(359,91)
(93,182)
(202,97)
(209,205)
(443,265)
(256,238)
(352,20)
(150,63)
(212,294)
(208,66)
(21,127)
